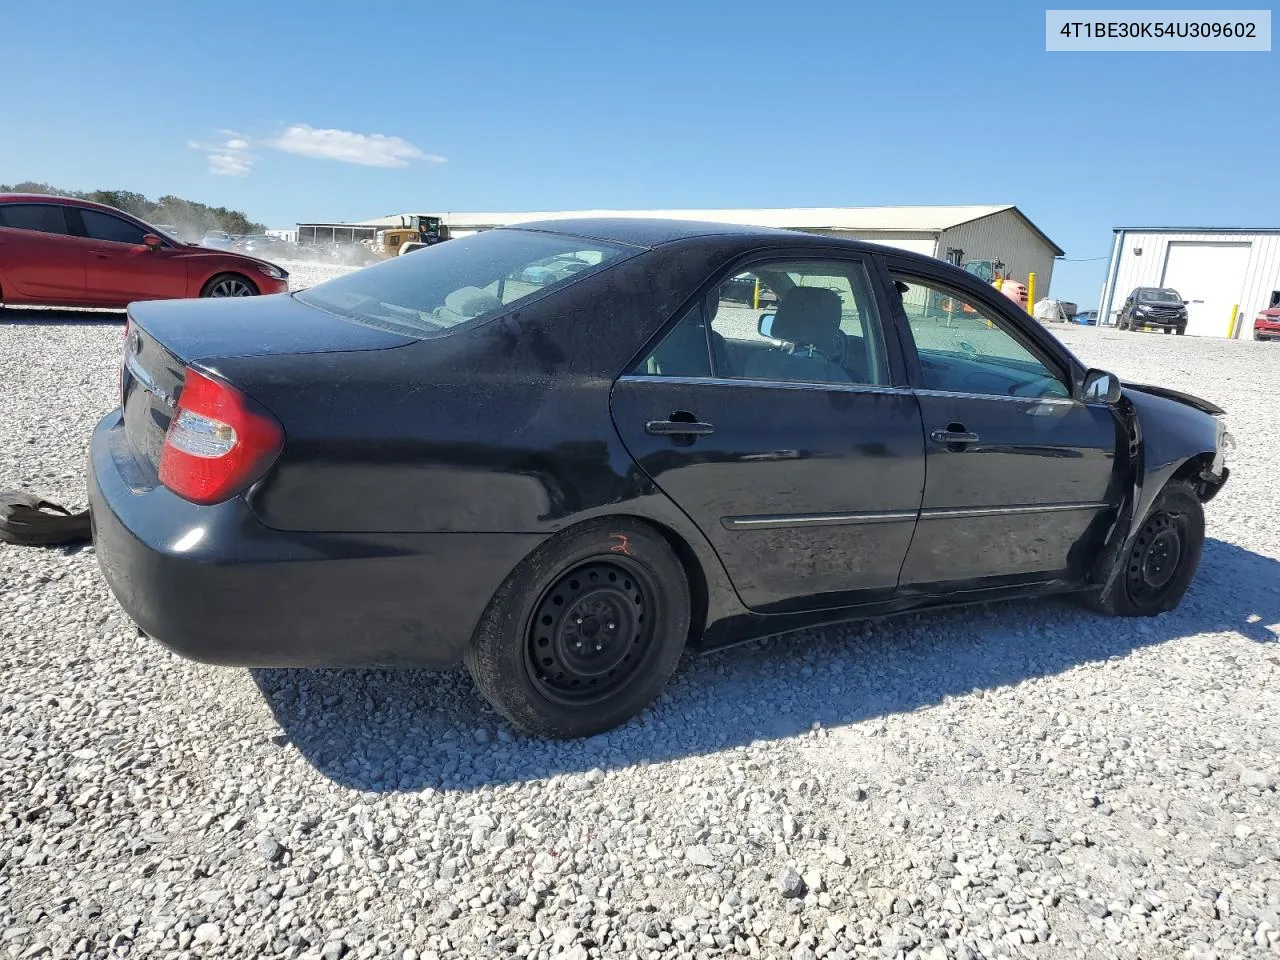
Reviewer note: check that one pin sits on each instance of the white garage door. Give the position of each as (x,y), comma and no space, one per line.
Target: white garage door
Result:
(1211,276)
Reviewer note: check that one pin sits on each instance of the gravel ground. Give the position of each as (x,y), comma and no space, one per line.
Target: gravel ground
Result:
(1024,779)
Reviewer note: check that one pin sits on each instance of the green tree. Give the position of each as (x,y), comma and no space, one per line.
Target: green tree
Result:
(190,218)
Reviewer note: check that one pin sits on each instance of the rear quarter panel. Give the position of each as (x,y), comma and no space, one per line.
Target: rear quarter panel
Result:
(503,428)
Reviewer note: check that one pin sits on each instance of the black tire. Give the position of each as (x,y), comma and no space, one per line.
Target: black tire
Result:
(223,283)
(1122,324)
(606,607)
(1160,560)
(1168,330)
(1182,331)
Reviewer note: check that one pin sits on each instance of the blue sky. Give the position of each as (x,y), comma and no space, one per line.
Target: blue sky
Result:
(341,111)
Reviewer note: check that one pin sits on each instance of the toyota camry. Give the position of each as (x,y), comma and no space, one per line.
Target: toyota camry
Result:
(566,478)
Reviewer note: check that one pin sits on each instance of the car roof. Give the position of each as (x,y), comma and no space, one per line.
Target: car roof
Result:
(67,201)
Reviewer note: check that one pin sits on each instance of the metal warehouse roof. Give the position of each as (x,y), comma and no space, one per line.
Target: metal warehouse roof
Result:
(912,219)
(1195,229)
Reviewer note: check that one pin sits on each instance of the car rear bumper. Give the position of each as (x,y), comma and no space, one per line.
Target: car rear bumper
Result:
(214,584)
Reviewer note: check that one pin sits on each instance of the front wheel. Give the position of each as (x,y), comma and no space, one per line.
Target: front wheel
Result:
(584,633)
(1182,331)
(229,285)
(1161,560)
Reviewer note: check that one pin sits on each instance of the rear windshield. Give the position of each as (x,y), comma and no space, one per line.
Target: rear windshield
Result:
(432,290)
(1152,295)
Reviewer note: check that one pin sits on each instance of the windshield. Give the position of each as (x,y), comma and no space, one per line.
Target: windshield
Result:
(1152,295)
(459,280)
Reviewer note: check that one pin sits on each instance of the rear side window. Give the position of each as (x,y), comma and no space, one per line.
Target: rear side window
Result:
(41,217)
(103,226)
(460,280)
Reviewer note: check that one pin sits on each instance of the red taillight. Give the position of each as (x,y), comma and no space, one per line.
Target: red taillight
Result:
(219,441)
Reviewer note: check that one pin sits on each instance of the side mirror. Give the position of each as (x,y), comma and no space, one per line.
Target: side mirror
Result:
(152,242)
(1186,303)
(765,326)
(1101,387)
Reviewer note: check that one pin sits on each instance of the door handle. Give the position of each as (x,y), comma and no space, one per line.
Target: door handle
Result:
(954,436)
(102,256)
(679,428)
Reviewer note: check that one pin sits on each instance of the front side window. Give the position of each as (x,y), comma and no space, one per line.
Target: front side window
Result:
(40,217)
(104,226)
(964,348)
(470,278)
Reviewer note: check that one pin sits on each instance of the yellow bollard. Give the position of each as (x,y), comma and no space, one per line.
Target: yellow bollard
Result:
(756,300)
(1231,324)
(1031,294)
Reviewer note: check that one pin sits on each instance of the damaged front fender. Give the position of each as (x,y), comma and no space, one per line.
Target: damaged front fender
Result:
(1170,436)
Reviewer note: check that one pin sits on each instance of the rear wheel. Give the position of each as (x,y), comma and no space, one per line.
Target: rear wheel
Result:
(1160,561)
(229,285)
(585,633)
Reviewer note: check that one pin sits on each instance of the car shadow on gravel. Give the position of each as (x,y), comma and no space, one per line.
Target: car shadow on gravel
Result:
(381,730)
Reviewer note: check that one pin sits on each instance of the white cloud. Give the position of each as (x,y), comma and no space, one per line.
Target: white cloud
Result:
(229,157)
(230,164)
(369,150)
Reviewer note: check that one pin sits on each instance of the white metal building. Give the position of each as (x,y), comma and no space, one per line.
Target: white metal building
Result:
(957,233)
(1215,268)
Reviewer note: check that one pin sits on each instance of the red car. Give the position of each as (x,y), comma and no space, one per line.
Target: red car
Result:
(1266,326)
(56,251)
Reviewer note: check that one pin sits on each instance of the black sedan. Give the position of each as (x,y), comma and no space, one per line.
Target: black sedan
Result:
(565,485)
(1157,307)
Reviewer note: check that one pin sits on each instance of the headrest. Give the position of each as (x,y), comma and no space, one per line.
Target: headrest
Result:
(471,301)
(808,316)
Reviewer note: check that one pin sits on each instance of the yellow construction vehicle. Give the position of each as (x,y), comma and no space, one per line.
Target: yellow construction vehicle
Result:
(413,232)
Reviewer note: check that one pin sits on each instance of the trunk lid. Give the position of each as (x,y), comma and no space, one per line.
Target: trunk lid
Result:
(164,336)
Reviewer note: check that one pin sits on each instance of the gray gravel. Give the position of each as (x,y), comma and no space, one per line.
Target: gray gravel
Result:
(1024,779)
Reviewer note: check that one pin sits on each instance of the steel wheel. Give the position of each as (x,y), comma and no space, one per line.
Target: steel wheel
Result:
(584,633)
(591,631)
(1155,558)
(231,287)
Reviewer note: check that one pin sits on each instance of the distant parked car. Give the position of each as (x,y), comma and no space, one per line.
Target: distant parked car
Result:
(1086,317)
(563,486)
(744,289)
(263,246)
(1160,307)
(56,251)
(1266,326)
(217,239)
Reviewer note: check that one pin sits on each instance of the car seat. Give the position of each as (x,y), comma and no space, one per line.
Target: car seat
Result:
(808,318)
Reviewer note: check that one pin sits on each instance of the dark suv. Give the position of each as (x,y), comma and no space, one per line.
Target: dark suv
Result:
(1154,307)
